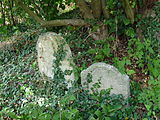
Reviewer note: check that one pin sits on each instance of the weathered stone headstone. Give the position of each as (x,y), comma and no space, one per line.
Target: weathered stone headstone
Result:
(109,77)
(52,48)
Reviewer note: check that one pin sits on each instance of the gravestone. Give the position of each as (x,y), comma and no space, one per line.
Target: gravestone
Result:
(108,76)
(52,50)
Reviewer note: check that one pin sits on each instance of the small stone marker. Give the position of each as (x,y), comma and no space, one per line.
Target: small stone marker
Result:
(109,77)
(48,46)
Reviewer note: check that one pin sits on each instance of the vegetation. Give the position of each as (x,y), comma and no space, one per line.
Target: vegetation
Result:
(121,33)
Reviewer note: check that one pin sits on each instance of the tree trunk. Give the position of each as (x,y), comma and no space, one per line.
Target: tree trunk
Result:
(85,10)
(104,9)
(11,4)
(96,8)
(3,13)
(128,10)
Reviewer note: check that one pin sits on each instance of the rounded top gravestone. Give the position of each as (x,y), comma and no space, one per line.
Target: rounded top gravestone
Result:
(52,50)
(109,77)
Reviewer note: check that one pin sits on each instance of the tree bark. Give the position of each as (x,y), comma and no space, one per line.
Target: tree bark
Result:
(3,13)
(96,8)
(86,11)
(128,10)
(104,9)
(65,22)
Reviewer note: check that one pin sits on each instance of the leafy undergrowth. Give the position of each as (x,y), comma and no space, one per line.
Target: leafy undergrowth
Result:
(140,60)
(24,95)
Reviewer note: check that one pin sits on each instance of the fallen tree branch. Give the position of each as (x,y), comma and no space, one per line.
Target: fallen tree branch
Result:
(52,23)
(65,22)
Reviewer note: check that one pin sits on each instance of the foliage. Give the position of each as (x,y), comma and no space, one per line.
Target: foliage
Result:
(150,97)
(18,69)
(151,27)
(120,64)
(25,95)
(145,53)
(101,50)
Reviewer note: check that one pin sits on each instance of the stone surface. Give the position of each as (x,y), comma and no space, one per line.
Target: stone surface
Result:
(48,46)
(109,77)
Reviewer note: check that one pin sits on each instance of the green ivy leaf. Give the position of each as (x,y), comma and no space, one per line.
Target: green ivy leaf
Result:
(34,64)
(130,72)
(130,32)
(99,114)
(92,51)
(99,57)
(92,118)
(126,21)
(107,118)
(148,107)
(145,118)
